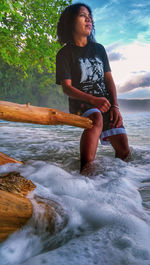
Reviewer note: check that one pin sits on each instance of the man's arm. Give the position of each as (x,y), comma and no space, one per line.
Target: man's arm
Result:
(99,102)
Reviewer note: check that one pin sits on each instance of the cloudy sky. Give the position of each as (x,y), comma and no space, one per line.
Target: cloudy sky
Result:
(123,27)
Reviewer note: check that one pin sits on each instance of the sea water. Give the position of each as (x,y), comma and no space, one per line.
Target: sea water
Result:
(108,213)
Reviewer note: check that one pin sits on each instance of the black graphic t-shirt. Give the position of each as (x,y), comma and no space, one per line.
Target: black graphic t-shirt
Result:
(85,66)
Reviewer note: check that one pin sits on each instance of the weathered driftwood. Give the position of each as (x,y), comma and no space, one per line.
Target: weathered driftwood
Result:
(15,183)
(16,209)
(39,115)
(4,159)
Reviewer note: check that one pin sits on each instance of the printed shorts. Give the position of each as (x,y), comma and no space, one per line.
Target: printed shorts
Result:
(85,110)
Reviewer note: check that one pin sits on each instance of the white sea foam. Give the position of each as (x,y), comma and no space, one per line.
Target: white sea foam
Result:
(107,223)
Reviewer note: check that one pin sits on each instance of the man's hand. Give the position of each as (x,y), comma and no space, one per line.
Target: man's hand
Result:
(101,103)
(115,117)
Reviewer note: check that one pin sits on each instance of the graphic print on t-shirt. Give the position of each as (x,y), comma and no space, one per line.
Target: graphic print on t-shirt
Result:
(92,76)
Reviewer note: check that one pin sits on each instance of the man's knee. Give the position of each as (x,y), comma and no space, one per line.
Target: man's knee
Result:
(97,119)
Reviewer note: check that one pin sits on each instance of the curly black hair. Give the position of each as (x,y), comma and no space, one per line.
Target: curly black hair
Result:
(65,26)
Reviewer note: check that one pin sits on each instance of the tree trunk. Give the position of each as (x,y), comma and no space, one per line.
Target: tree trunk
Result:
(39,115)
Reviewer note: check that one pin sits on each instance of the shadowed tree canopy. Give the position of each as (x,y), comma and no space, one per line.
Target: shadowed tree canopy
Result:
(28,32)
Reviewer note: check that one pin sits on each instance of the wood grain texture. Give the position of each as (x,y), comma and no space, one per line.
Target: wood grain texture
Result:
(5,159)
(15,211)
(39,115)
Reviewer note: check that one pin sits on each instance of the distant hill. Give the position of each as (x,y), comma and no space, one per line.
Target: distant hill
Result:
(134,105)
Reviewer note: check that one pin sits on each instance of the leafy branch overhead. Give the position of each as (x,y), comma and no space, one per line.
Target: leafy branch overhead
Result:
(28,32)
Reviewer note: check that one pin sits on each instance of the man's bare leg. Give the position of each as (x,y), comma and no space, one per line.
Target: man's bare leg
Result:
(121,146)
(89,140)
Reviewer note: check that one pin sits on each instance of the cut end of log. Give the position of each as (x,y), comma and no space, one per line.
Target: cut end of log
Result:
(15,183)
(16,209)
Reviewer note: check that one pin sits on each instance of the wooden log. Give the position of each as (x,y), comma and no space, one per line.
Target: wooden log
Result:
(16,209)
(39,115)
(13,182)
(4,159)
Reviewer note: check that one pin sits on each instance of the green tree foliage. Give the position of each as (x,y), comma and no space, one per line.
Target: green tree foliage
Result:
(38,88)
(28,32)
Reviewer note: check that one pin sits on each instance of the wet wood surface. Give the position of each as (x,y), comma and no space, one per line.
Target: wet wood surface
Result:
(16,209)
